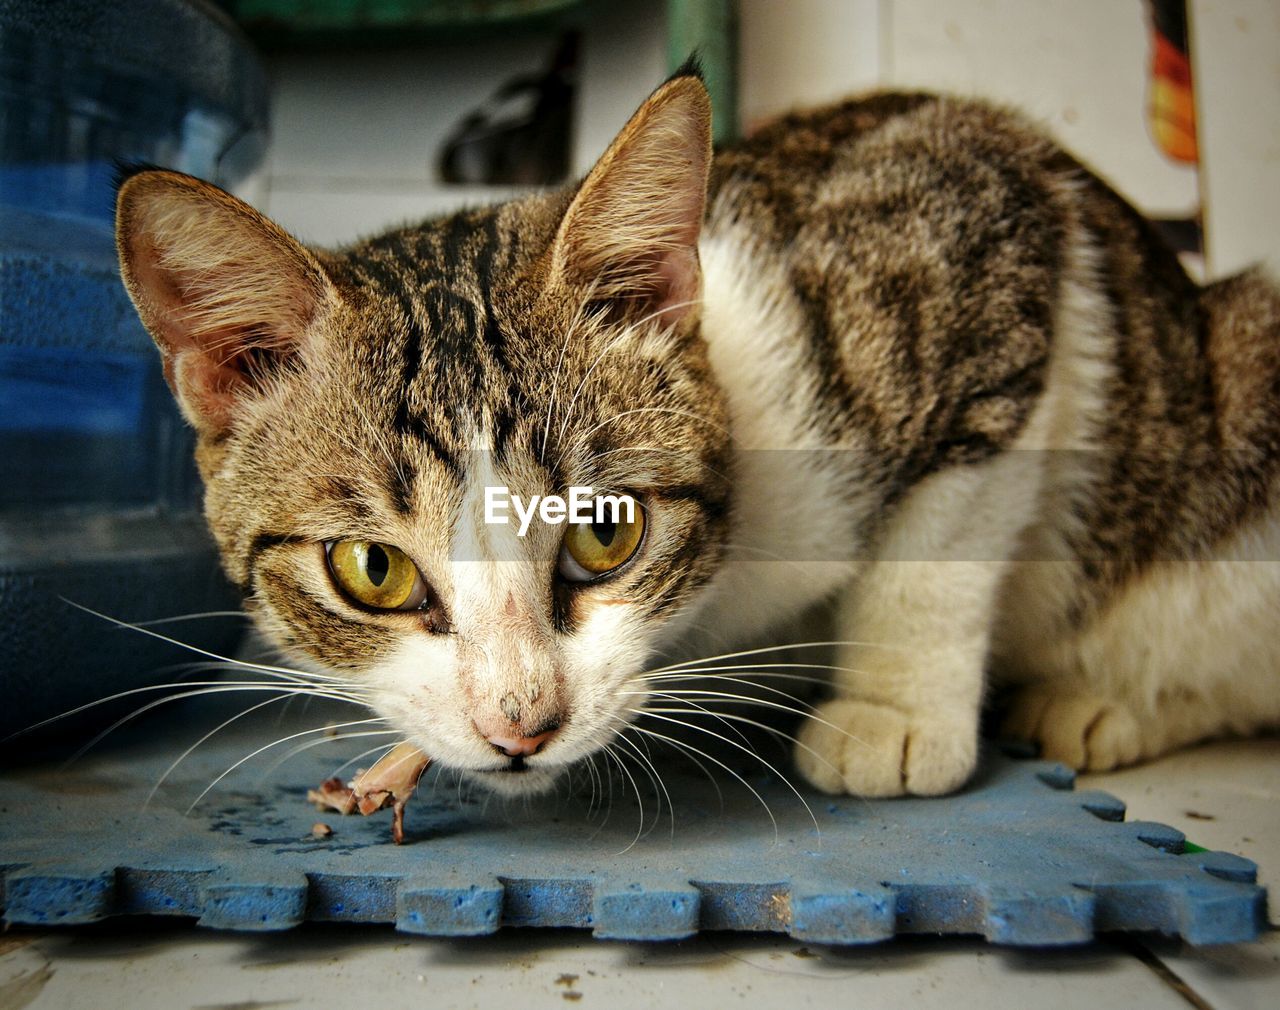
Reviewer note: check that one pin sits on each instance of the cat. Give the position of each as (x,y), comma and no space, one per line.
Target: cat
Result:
(902,353)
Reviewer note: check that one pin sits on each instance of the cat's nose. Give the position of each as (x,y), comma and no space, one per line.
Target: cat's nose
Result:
(522,746)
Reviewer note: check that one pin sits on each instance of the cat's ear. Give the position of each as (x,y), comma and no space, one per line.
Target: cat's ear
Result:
(227,296)
(631,232)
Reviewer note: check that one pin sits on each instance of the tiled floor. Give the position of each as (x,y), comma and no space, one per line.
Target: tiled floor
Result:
(1224,796)
(337,968)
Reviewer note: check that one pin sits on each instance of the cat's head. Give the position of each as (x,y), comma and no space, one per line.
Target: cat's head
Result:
(353,406)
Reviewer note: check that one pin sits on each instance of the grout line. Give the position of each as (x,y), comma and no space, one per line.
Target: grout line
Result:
(19,937)
(373,185)
(366,180)
(1164,973)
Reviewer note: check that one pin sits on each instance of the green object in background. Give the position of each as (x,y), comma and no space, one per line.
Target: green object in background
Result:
(709,28)
(321,22)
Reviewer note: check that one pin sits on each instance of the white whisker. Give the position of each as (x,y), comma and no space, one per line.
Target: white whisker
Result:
(706,680)
(772,730)
(772,555)
(608,750)
(213,732)
(191,617)
(381,749)
(555,382)
(654,448)
(626,333)
(716,761)
(807,712)
(258,667)
(656,778)
(776,648)
(618,340)
(718,673)
(606,780)
(249,757)
(582,436)
(220,688)
(694,705)
(746,750)
(332,738)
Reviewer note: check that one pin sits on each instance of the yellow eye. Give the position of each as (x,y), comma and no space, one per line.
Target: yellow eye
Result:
(377,575)
(591,550)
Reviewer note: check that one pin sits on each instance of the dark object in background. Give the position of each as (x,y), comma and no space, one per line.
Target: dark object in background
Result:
(99,500)
(519,136)
(1171,110)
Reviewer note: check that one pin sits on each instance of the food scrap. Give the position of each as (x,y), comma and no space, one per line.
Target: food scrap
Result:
(333,795)
(389,783)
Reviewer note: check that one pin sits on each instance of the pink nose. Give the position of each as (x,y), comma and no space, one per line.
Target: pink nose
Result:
(521,746)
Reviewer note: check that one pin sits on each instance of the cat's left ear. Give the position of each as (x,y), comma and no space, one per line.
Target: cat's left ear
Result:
(228,296)
(630,235)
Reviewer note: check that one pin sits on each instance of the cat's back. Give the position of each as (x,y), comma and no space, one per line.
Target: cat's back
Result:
(928,252)
(900,232)
(885,154)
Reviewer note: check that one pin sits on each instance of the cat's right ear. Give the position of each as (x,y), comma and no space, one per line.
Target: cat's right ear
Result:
(227,296)
(630,235)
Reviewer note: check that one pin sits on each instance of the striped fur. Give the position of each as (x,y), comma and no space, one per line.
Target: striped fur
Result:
(910,357)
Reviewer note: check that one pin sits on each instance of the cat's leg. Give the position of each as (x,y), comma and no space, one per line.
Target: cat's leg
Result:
(1186,652)
(905,719)
(919,620)
(1080,729)
(1092,732)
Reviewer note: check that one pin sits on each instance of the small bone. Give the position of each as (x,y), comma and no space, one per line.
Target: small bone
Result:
(389,783)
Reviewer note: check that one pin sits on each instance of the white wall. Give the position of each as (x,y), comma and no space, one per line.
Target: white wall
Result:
(356,134)
(805,52)
(1237,68)
(355,138)
(624,57)
(1080,68)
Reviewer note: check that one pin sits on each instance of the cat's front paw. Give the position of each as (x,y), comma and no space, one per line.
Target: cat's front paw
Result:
(856,747)
(1082,731)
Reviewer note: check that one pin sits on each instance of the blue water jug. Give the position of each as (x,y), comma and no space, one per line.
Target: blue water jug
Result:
(99,499)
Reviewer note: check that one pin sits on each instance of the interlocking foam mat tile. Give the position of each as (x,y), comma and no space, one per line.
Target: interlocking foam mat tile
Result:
(1019,857)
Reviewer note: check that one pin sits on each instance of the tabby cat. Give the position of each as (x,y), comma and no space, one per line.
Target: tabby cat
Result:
(902,353)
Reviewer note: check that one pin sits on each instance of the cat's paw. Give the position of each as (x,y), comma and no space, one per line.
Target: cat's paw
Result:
(1084,732)
(864,749)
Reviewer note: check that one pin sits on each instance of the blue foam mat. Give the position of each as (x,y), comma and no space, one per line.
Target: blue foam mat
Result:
(1019,857)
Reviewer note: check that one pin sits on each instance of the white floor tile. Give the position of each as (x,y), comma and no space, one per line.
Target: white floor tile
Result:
(1238,977)
(336,968)
(1222,795)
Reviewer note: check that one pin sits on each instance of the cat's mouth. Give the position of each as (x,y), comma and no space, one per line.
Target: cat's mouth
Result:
(516,777)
